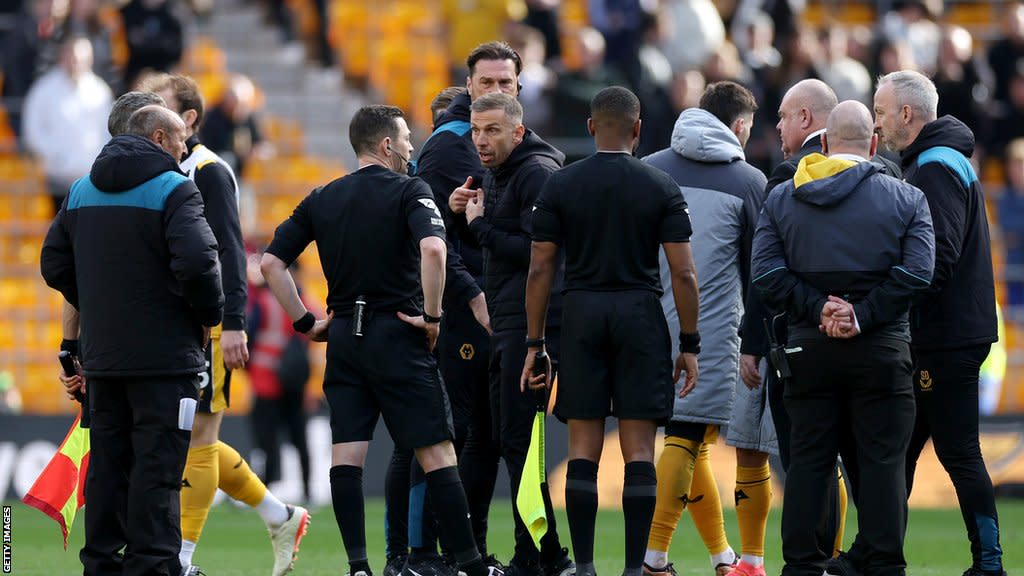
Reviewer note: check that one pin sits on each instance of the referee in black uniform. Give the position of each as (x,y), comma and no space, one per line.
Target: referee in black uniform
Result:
(382,248)
(616,351)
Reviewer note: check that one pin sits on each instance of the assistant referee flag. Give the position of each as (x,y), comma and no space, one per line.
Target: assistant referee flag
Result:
(59,491)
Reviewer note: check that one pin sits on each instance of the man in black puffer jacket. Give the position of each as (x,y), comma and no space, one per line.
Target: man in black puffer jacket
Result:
(518,164)
(131,250)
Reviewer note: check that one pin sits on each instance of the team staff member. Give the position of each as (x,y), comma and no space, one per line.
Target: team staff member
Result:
(117,125)
(137,207)
(954,322)
(616,357)
(518,162)
(448,158)
(387,298)
(803,112)
(725,193)
(842,229)
(212,463)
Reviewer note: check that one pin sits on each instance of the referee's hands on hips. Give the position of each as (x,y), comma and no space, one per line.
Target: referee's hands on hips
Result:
(318,333)
(528,380)
(431,328)
(686,362)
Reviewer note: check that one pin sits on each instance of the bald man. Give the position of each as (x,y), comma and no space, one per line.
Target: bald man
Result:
(860,386)
(135,226)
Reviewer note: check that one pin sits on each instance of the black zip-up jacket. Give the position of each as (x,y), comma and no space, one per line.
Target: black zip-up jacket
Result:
(505,232)
(959,309)
(219,190)
(132,251)
(445,160)
(849,232)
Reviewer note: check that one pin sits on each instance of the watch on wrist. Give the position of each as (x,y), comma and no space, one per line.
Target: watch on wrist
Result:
(431,319)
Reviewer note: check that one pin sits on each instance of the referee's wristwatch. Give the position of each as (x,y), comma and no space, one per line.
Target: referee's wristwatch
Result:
(431,319)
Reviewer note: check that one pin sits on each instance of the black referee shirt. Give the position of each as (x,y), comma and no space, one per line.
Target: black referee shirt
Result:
(610,212)
(367,227)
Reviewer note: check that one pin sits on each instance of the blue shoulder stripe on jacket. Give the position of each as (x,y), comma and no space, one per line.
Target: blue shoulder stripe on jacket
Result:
(457,127)
(953,160)
(150,195)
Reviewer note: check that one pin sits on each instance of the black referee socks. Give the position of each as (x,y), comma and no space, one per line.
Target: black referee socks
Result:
(452,513)
(347,497)
(639,495)
(581,508)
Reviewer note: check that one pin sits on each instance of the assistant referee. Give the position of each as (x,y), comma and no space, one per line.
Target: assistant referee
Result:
(382,326)
(616,351)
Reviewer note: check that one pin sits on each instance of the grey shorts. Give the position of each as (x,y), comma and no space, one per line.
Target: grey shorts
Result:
(751,425)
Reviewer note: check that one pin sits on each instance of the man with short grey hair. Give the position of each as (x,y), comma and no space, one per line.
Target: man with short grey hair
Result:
(125,106)
(954,321)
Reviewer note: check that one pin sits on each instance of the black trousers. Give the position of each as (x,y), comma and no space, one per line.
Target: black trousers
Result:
(133,485)
(863,384)
(514,429)
(268,417)
(464,351)
(828,527)
(946,392)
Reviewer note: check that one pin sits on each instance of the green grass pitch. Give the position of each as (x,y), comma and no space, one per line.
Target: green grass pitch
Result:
(235,542)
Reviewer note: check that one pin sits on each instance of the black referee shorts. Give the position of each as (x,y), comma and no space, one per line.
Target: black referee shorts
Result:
(616,357)
(388,371)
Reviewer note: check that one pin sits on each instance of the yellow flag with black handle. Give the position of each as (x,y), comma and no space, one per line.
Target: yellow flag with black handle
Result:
(529,500)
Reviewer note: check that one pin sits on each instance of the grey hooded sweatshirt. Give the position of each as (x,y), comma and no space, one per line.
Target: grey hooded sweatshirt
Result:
(724,195)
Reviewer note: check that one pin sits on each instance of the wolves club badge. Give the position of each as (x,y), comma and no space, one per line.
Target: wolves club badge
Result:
(925,381)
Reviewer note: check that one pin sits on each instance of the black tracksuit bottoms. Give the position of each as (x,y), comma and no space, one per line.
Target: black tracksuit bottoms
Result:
(133,486)
(864,384)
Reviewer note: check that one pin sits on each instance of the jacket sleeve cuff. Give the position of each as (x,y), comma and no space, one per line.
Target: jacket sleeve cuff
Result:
(234,322)
(210,317)
(479,228)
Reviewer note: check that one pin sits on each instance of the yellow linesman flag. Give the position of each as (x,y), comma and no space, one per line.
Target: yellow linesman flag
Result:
(59,491)
(529,501)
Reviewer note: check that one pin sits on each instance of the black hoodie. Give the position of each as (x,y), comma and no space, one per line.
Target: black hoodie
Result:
(505,231)
(845,230)
(131,250)
(445,160)
(959,309)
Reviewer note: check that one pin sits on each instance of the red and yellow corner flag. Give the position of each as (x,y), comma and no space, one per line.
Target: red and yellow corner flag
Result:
(60,489)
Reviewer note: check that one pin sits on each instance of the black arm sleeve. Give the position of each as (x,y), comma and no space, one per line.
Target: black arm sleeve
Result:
(753,339)
(947,202)
(514,246)
(780,289)
(218,189)
(459,283)
(193,251)
(546,221)
(57,261)
(293,235)
(891,299)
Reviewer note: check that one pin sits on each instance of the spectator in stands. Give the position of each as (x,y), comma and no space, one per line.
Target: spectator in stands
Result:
(1005,53)
(695,32)
(1010,121)
(278,371)
(892,55)
(655,86)
(577,88)
(232,129)
(68,104)
(687,88)
(914,22)
(154,30)
(542,15)
(848,77)
(621,22)
(84,19)
(537,79)
(1011,222)
(962,92)
(28,50)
